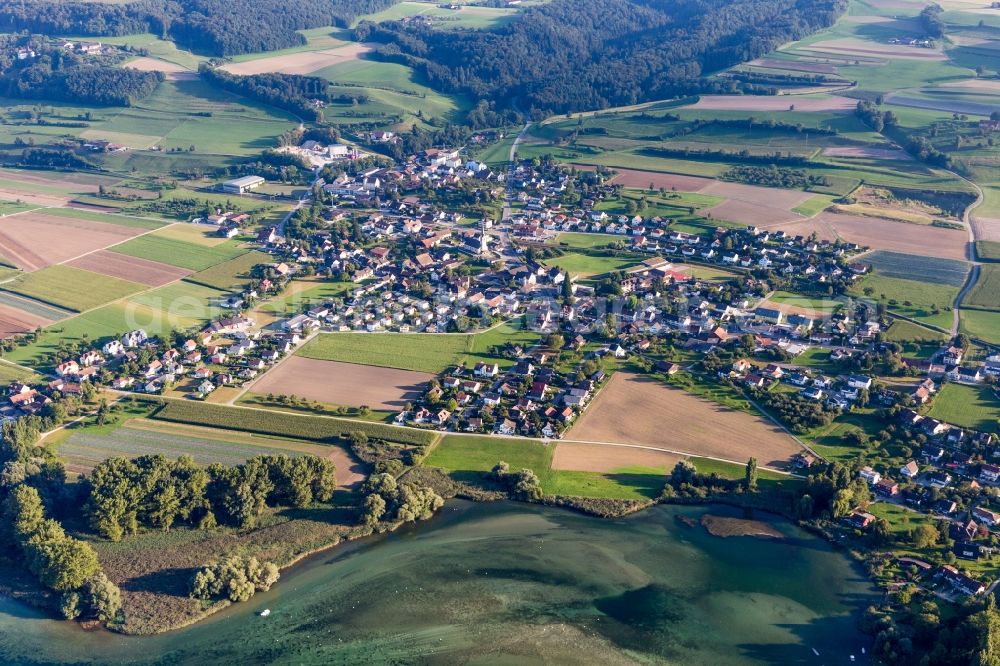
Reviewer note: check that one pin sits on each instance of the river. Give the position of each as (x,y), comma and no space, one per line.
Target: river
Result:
(515,584)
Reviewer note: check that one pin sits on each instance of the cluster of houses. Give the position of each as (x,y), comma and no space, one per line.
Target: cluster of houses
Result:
(433,168)
(318,155)
(228,352)
(530,397)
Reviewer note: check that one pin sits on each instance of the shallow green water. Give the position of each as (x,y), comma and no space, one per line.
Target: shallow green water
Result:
(513,584)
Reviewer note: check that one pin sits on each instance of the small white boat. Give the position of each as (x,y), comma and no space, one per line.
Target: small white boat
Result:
(815,652)
(265,612)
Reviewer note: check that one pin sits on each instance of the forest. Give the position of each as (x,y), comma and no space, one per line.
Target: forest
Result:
(212,27)
(571,55)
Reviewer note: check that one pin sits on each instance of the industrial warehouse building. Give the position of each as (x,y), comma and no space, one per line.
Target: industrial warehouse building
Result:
(241,185)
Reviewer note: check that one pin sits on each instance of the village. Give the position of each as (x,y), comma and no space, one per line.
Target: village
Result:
(410,264)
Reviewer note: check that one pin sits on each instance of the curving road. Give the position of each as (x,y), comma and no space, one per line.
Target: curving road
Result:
(970,252)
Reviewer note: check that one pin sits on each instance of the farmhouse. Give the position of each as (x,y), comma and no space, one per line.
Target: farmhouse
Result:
(242,185)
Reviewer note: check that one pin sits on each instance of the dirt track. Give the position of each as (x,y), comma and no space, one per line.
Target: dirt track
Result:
(633,409)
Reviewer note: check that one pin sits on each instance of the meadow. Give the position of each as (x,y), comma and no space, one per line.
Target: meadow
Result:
(981,324)
(467,458)
(925,302)
(967,406)
(230,273)
(423,352)
(986,292)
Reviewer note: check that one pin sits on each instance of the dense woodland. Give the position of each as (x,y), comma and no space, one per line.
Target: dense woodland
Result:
(60,74)
(571,55)
(214,27)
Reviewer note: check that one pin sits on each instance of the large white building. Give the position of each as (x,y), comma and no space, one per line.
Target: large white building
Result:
(243,184)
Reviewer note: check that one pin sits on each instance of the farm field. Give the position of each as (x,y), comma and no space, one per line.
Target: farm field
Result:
(981,324)
(421,352)
(144,271)
(182,254)
(967,406)
(986,292)
(672,419)
(34,240)
(86,447)
(467,458)
(949,272)
(924,301)
(230,273)
(878,234)
(346,384)
(465,16)
(72,288)
(604,458)
(15,320)
(300,62)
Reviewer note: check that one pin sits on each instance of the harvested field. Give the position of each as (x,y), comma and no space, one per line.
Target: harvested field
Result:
(977,85)
(773,103)
(755,194)
(36,240)
(8,193)
(304,62)
(750,213)
(580,457)
(881,234)
(340,383)
(14,321)
(794,65)
(853,46)
(986,228)
(867,152)
(666,417)
(134,269)
(671,181)
(899,236)
(172,70)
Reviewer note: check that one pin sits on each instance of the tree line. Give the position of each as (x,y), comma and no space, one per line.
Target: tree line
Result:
(569,55)
(291,92)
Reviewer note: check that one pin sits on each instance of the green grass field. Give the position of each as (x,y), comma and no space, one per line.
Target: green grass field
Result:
(986,292)
(72,288)
(179,253)
(981,324)
(586,266)
(988,250)
(967,406)
(121,220)
(907,331)
(911,298)
(86,447)
(467,458)
(766,479)
(424,352)
(586,241)
(229,274)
